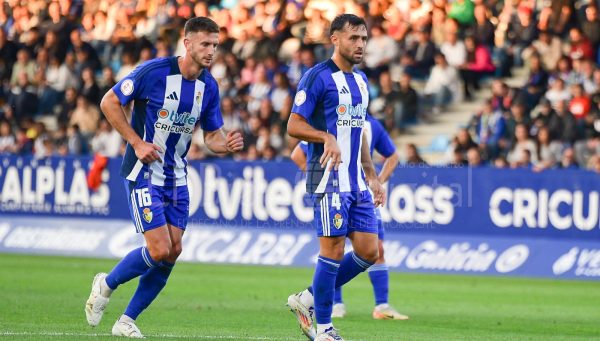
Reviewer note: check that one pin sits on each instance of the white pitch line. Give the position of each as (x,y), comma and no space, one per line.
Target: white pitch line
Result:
(165,336)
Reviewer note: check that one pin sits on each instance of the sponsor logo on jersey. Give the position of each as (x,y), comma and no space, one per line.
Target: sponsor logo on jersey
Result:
(174,122)
(351,115)
(338,221)
(147,215)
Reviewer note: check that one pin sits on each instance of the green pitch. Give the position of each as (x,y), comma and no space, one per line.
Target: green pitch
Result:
(42,298)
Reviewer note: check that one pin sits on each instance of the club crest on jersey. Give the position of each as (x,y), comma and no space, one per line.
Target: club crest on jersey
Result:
(147,215)
(300,98)
(363,88)
(127,87)
(338,221)
(198,97)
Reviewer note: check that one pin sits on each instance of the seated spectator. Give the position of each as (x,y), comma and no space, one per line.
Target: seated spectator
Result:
(85,116)
(454,50)
(521,143)
(412,156)
(443,85)
(409,102)
(548,152)
(7,139)
(581,104)
(381,49)
(548,47)
(22,100)
(580,46)
(419,57)
(563,126)
(568,159)
(535,86)
(474,157)
(490,129)
(558,92)
(107,141)
(478,65)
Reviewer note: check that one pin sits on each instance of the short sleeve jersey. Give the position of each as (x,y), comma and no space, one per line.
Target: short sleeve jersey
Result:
(166,109)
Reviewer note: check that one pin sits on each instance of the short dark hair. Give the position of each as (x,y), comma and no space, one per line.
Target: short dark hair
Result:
(340,21)
(201,24)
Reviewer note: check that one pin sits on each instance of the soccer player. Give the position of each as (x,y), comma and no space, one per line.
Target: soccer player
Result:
(379,140)
(170,97)
(329,113)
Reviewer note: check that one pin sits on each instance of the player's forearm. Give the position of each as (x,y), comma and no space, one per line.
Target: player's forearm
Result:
(388,167)
(216,141)
(366,161)
(112,109)
(300,129)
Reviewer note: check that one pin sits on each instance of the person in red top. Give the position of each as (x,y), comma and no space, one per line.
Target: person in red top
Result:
(581,47)
(478,64)
(580,104)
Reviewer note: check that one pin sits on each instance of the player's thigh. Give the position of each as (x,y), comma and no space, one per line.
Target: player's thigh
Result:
(145,205)
(331,214)
(177,208)
(363,214)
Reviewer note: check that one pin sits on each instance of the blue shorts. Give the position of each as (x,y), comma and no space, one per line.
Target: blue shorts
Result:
(380,229)
(339,214)
(153,206)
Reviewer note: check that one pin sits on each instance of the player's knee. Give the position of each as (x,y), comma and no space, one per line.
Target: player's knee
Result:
(370,255)
(160,252)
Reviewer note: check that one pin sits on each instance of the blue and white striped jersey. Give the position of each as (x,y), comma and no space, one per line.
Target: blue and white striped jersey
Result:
(334,101)
(167,108)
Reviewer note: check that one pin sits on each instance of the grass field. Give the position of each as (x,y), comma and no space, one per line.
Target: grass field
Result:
(43,298)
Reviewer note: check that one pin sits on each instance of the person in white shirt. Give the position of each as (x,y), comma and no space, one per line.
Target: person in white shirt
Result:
(443,84)
(381,49)
(454,50)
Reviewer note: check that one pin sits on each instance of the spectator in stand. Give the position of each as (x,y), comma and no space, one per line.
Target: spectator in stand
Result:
(568,159)
(454,50)
(580,46)
(419,57)
(590,26)
(474,158)
(409,102)
(478,65)
(443,85)
(548,47)
(521,143)
(563,127)
(7,139)
(85,116)
(412,156)
(107,141)
(558,92)
(381,49)
(548,152)
(490,129)
(580,104)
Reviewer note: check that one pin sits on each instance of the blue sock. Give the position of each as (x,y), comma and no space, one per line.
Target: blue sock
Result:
(151,283)
(337,297)
(350,267)
(323,288)
(378,273)
(135,264)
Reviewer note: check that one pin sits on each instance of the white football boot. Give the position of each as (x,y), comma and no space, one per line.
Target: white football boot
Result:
(304,314)
(127,329)
(96,303)
(330,334)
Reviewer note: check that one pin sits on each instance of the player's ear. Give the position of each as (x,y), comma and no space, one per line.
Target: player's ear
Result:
(334,39)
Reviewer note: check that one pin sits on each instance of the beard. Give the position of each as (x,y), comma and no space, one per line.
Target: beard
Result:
(201,61)
(352,58)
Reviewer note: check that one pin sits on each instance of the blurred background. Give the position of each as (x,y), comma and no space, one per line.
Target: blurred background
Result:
(516,83)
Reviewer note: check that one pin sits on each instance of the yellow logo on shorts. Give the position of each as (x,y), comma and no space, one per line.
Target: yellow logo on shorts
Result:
(337,220)
(147,215)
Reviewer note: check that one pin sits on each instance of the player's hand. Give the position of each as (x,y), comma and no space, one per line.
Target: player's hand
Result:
(147,152)
(235,142)
(331,152)
(379,195)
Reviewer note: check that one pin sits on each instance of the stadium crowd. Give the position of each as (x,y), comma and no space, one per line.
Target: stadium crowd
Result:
(57,59)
